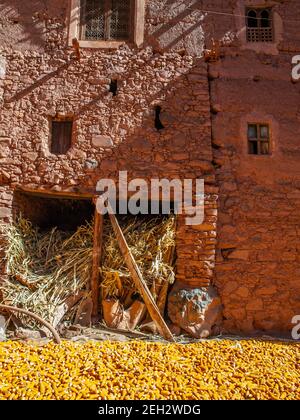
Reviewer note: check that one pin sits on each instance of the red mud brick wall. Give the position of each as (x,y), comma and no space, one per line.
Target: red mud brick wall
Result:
(257,271)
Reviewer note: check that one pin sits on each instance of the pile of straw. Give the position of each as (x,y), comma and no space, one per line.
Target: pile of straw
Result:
(151,242)
(44,268)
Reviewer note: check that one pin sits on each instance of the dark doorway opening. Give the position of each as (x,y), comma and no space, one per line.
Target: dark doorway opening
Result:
(46,212)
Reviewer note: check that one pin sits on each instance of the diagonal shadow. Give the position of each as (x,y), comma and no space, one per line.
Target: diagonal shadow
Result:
(40,82)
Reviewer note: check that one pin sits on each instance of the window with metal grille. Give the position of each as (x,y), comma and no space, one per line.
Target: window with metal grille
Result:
(258,139)
(259,25)
(61,138)
(105,19)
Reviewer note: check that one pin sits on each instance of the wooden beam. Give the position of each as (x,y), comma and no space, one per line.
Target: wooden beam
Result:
(81,195)
(139,281)
(97,254)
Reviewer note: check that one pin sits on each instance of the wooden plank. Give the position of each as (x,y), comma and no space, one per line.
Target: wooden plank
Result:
(61,137)
(139,281)
(162,298)
(97,254)
(40,192)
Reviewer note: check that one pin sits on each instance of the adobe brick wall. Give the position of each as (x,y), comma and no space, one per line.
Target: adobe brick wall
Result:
(257,271)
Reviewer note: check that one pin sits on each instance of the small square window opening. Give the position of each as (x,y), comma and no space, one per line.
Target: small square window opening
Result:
(258,139)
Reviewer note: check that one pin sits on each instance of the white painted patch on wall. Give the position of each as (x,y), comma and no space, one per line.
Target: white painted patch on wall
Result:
(2,67)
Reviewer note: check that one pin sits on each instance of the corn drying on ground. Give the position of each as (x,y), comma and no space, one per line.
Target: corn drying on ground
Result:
(215,369)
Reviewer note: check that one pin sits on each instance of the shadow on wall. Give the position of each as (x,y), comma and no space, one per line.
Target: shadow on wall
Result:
(182,118)
(188,26)
(187,30)
(169,24)
(181,148)
(18,27)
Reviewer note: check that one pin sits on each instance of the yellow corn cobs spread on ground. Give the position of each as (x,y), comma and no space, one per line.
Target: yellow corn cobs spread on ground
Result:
(226,369)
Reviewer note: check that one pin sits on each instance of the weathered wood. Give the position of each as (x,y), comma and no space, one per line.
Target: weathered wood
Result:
(162,298)
(34,316)
(83,194)
(61,136)
(97,254)
(139,281)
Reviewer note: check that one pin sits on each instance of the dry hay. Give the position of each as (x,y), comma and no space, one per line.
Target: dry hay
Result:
(151,242)
(44,268)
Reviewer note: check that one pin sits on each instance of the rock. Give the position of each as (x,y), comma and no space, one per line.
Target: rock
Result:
(196,311)
(239,255)
(26,334)
(32,156)
(230,287)
(267,290)
(94,129)
(2,328)
(5,212)
(102,141)
(255,305)
(91,164)
(2,67)
(243,292)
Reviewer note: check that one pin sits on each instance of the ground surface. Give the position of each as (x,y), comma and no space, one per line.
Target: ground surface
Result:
(216,369)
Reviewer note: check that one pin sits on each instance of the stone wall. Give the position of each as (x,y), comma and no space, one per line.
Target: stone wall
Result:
(42,79)
(257,271)
(205,119)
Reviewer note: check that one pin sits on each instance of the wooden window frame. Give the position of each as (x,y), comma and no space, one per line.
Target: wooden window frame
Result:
(136,27)
(259,140)
(258,34)
(61,120)
(108,7)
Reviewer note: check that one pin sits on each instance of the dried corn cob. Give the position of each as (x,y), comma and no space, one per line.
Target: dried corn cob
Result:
(248,369)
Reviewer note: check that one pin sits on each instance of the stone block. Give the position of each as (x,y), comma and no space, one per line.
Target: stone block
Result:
(195,311)
(102,141)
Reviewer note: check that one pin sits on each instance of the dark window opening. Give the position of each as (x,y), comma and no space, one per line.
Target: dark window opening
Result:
(113,87)
(61,136)
(259,25)
(105,19)
(258,139)
(265,19)
(158,124)
(252,19)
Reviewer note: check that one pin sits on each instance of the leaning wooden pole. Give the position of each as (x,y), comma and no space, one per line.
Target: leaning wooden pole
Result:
(97,254)
(139,281)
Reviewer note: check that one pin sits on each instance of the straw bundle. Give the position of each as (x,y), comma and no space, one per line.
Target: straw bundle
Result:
(44,268)
(150,241)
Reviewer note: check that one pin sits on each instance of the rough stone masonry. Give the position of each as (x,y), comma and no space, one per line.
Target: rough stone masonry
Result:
(247,249)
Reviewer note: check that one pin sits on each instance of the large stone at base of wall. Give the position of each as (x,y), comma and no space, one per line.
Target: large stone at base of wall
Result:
(196,311)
